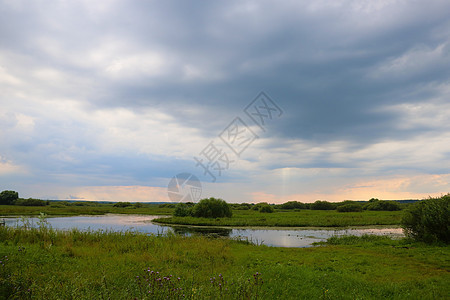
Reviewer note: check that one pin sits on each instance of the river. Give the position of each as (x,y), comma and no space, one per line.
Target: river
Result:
(277,237)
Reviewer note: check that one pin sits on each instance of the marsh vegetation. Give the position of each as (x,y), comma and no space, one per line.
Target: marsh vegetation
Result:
(39,262)
(42,263)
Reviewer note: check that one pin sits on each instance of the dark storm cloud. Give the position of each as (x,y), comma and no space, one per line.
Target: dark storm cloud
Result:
(316,65)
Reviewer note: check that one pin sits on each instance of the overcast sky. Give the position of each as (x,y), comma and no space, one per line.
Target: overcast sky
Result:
(108,100)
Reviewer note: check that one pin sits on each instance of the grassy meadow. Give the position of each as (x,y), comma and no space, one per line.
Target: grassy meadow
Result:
(42,263)
(293,218)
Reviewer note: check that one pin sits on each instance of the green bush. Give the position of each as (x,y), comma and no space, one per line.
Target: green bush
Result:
(212,208)
(258,206)
(428,220)
(322,205)
(382,205)
(122,204)
(167,205)
(242,206)
(349,207)
(8,197)
(266,208)
(30,202)
(293,205)
(81,203)
(182,210)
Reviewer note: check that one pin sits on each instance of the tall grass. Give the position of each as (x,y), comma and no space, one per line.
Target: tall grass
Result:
(43,263)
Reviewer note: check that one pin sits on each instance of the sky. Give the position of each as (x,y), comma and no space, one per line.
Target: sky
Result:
(268,101)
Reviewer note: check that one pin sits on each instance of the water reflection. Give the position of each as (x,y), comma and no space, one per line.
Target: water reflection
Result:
(142,223)
(306,237)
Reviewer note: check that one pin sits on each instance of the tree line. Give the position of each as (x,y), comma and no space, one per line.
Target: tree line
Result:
(12,198)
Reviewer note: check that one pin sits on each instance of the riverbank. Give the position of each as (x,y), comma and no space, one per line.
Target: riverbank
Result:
(45,263)
(87,208)
(298,218)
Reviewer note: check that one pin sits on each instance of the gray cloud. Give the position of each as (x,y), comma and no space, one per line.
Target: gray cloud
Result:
(342,73)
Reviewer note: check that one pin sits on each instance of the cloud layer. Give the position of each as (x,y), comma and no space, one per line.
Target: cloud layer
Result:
(121,95)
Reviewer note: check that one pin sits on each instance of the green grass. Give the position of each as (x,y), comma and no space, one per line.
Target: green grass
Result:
(42,263)
(72,210)
(289,218)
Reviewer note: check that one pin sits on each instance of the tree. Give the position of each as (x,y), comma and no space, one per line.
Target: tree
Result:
(212,208)
(8,197)
(428,220)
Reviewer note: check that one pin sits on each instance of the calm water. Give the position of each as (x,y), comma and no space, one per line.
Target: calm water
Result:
(142,223)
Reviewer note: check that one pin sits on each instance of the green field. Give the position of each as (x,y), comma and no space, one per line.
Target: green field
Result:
(43,263)
(290,218)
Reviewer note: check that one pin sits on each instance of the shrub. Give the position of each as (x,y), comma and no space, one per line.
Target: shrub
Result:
(122,204)
(293,205)
(167,205)
(182,210)
(428,220)
(266,208)
(81,203)
(242,206)
(349,207)
(31,202)
(375,204)
(8,197)
(212,208)
(322,205)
